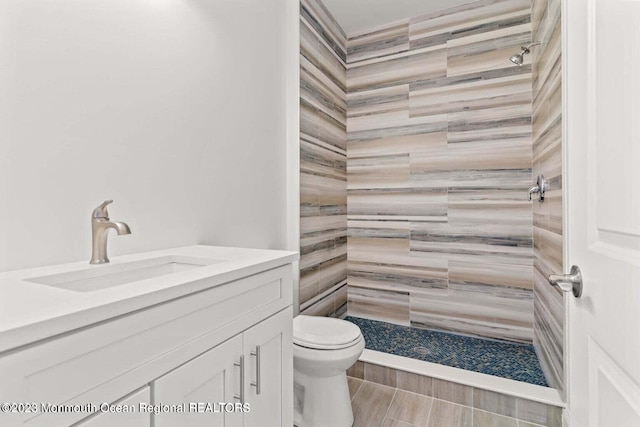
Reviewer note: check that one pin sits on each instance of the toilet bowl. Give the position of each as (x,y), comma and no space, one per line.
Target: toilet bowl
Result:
(323,350)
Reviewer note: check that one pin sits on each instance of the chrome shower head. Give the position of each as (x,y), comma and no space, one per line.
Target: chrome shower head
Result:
(518,59)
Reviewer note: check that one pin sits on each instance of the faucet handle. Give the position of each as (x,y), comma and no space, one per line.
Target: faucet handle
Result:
(101,211)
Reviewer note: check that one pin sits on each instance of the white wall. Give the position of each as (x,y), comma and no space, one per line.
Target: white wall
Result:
(173,108)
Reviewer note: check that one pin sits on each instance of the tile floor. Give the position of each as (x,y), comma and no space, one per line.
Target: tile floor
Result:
(376,405)
(507,360)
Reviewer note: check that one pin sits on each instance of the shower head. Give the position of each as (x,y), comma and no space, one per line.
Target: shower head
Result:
(518,59)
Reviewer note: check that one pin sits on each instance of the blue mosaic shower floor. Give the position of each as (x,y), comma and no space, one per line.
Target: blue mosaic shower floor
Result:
(513,361)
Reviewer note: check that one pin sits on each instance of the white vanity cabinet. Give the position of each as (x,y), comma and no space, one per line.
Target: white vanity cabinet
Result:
(249,369)
(184,350)
(120,418)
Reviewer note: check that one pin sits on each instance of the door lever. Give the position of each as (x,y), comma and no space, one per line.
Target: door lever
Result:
(571,282)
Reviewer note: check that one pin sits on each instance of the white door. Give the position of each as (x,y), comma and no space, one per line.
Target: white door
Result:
(268,348)
(602,81)
(212,377)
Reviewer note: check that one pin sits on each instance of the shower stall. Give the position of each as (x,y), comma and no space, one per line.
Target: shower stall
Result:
(419,142)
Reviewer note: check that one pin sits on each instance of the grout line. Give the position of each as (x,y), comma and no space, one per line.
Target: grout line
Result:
(358,389)
(426,424)
(390,403)
(499,415)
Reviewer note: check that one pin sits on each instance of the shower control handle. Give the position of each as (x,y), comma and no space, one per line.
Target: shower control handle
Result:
(540,188)
(571,282)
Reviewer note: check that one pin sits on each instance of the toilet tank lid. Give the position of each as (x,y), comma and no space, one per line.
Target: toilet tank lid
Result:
(324,331)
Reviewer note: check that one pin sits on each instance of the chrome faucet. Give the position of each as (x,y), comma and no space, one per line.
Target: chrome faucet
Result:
(540,188)
(100,225)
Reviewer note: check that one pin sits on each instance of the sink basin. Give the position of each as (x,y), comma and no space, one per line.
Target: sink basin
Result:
(111,275)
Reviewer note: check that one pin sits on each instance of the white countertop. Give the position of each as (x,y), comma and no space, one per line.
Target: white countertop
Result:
(30,312)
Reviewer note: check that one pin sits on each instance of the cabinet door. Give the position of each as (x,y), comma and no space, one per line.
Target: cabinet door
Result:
(268,352)
(135,418)
(209,378)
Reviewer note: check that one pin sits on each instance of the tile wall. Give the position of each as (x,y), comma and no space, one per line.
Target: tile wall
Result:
(547,159)
(439,161)
(323,163)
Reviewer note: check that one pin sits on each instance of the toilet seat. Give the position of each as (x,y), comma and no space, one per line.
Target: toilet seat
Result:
(324,333)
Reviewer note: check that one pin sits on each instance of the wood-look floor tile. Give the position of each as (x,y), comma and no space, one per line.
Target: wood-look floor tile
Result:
(410,407)
(354,386)
(388,422)
(527,424)
(447,414)
(371,403)
(489,419)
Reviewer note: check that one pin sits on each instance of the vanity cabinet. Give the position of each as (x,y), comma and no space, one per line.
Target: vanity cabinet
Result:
(184,350)
(123,419)
(249,369)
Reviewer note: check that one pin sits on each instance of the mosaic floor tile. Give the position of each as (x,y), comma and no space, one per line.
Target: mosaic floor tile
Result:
(513,361)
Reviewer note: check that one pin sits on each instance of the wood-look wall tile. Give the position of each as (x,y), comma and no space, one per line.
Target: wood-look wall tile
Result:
(488,273)
(377,101)
(549,328)
(396,145)
(414,383)
(489,311)
(380,374)
(451,114)
(398,202)
(323,199)
(375,172)
(485,51)
(497,154)
(422,126)
(453,392)
(386,306)
(458,18)
(472,178)
(476,95)
(396,278)
(402,70)
(491,401)
(320,19)
(539,413)
(376,44)
(356,370)
(471,239)
(323,307)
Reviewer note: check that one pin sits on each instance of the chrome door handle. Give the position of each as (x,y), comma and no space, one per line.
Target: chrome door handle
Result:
(256,383)
(240,396)
(571,282)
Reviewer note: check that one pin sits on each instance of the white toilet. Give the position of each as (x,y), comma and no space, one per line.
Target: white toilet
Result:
(323,350)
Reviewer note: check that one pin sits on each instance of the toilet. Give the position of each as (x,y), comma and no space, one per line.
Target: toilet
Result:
(323,349)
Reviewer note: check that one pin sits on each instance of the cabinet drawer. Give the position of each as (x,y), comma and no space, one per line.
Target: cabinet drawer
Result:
(104,362)
(123,419)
